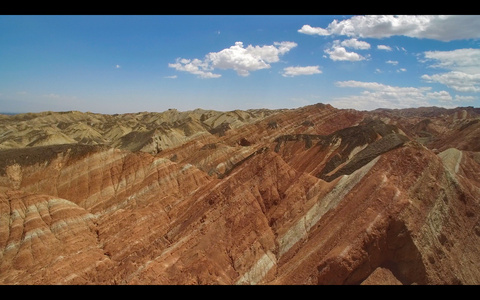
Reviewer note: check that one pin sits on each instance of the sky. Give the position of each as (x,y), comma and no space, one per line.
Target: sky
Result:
(134,63)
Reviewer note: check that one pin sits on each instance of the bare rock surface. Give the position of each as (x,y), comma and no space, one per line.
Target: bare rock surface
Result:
(314,195)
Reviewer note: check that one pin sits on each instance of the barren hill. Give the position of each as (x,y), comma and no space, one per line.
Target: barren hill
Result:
(314,195)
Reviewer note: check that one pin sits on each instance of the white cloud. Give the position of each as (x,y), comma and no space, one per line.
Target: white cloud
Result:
(284,47)
(244,60)
(355,44)
(464,98)
(442,96)
(447,100)
(392,62)
(338,53)
(377,95)
(375,86)
(195,66)
(307,29)
(237,57)
(464,66)
(295,71)
(384,47)
(465,60)
(459,81)
(444,28)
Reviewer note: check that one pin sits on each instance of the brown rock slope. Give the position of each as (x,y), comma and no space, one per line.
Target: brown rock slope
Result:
(314,195)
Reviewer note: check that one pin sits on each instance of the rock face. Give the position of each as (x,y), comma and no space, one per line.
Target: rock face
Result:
(314,195)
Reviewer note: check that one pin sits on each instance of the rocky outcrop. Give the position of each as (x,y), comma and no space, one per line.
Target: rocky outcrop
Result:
(171,198)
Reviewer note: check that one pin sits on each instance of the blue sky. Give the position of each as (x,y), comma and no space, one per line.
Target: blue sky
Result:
(131,63)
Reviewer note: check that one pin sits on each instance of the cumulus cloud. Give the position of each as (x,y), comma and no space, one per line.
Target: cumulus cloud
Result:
(296,71)
(237,57)
(252,58)
(195,66)
(307,29)
(338,53)
(444,28)
(464,67)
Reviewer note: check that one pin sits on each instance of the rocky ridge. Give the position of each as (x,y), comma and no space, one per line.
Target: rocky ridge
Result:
(314,195)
